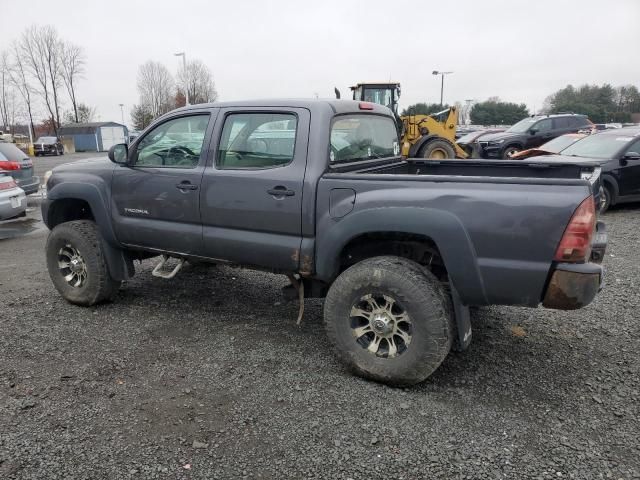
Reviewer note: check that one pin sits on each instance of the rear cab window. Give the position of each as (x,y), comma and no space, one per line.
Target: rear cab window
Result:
(361,137)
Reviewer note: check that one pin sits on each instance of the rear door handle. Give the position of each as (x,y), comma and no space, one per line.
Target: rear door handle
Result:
(281,191)
(186,186)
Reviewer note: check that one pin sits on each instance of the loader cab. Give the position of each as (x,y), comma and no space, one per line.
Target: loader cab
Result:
(387,94)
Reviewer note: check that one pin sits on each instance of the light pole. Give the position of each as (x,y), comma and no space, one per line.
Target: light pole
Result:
(184,66)
(442,74)
(122,112)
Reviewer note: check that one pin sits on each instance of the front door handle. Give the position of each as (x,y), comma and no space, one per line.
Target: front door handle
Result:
(281,191)
(186,186)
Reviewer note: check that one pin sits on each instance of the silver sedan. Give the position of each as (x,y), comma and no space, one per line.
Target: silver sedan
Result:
(13,201)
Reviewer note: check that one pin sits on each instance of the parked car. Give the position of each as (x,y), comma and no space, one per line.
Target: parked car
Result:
(618,152)
(13,201)
(18,164)
(469,142)
(554,146)
(530,133)
(48,146)
(318,190)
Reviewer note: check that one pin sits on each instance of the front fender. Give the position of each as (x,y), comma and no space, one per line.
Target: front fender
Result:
(444,228)
(611,180)
(96,195)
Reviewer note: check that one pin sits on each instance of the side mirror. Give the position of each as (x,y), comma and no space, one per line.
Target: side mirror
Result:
(119,153)
(631,156)
(533,131)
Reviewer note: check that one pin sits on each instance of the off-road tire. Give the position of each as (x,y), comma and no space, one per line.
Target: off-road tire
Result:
(429,150)
(508,151)
(84,236)
(422,297)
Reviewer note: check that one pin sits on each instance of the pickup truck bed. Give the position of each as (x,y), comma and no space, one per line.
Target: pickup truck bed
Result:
(496,223)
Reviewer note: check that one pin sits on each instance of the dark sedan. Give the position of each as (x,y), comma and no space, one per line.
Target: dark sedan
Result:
(18,164)
(618,152)
(48,146)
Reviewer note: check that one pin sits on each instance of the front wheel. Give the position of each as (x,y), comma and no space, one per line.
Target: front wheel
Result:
(510,150)
(437,150)
(605,199)
(77,265)
(389,320)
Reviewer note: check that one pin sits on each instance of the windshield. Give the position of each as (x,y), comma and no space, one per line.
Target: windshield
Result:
(523,125)
(598,146)
(46,140)
(12,152)
(363,137)
(560,143)
(381,96)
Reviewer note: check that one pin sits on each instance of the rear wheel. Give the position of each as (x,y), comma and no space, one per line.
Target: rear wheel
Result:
(389,320)
(510,150)
(437,149)
(76,263)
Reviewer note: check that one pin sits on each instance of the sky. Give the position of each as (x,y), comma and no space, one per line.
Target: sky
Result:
(519,51)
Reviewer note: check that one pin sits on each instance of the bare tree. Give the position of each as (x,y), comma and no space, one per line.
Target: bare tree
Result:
(19,79)
(198,81)
(72,63)
(155,86)
(41,49)
(4,88)
(82,114)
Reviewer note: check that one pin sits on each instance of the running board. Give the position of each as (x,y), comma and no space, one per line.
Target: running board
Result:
(167,275)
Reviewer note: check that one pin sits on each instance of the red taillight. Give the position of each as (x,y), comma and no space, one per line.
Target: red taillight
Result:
(366,106)
(8,185)
(10,165)
(575,245)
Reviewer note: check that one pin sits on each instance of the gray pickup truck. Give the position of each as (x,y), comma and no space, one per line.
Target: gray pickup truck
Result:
(317,190)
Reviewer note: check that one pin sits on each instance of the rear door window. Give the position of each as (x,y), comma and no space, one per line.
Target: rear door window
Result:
(543,125)
(257,140)
(578,122)
(561,123)
(363,137)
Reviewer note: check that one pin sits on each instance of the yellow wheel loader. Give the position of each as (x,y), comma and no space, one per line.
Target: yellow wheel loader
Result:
(426,136)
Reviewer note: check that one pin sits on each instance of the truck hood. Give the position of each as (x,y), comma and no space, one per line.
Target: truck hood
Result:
(87,164)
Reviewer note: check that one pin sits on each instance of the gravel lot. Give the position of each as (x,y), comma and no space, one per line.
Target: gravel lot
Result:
(207,376)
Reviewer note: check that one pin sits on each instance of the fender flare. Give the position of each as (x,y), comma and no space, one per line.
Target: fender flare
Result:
(119,263)
(610,179)
(444,228)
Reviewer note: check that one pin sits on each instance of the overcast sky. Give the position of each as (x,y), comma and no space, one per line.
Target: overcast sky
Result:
(520,51)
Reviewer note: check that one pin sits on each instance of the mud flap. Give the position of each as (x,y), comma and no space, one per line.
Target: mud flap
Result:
(463,322)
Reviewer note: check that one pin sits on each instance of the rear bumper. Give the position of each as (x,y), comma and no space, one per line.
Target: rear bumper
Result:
(29,185)
(7,210)
(573,286)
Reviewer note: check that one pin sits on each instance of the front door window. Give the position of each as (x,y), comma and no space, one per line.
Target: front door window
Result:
(173,144)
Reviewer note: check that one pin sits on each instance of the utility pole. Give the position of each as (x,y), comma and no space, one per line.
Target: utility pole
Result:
(442,74)
(122,112)
(186,77)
